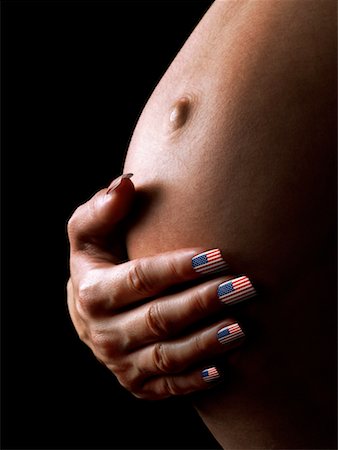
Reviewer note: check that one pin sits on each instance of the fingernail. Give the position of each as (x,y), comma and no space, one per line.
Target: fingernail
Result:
(209,262)
(116,183)
(236,290)
(230,333)
(210,374)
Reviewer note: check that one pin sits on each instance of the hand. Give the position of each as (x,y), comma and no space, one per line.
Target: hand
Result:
(124,314)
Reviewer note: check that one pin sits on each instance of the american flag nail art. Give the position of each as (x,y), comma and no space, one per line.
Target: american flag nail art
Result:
(230,333)
(236,290)
(210,374)
(210,261)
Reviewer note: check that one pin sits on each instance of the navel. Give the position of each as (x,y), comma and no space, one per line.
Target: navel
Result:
(179,113)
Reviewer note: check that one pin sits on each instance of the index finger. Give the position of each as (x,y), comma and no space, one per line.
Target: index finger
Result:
(114,287)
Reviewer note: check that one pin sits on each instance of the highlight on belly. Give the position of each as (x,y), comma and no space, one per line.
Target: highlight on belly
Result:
(179,113)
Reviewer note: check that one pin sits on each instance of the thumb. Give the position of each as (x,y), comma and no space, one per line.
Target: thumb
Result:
(94,221)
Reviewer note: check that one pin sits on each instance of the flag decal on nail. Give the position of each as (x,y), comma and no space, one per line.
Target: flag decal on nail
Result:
(236,290)
(230,333)
(210,374)
(210,261)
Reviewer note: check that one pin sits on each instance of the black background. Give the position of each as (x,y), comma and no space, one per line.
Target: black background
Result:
(75,76)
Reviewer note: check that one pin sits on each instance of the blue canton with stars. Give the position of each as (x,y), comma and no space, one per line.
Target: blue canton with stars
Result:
(223,333)
(199,261)
(225,289)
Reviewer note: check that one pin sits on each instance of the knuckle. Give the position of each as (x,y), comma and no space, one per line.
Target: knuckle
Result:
(128,383)
(124,381)
(105,344)
(199,344)
(170,387)
(83,335)
(155,321)
(161,359)
(137,279)
(127,376)
(172,265)
(122,371)
(87,299)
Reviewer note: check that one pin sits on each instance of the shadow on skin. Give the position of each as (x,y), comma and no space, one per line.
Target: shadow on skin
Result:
(145,198)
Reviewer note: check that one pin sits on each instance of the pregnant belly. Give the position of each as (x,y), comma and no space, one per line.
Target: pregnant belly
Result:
(235,149)
(217,155)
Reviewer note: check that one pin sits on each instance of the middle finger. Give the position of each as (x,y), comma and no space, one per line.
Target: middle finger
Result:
(169,316)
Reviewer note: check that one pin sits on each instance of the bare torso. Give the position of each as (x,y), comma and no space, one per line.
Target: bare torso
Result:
(236,149)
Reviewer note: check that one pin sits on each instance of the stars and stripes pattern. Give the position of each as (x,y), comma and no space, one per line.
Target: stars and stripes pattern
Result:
(236,290)
(210,374)
(208,262)
(230,333)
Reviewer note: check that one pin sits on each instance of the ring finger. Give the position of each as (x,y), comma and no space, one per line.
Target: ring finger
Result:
(175,356)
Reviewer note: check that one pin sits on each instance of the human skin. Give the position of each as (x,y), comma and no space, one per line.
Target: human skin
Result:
(139,317)
(236,149)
